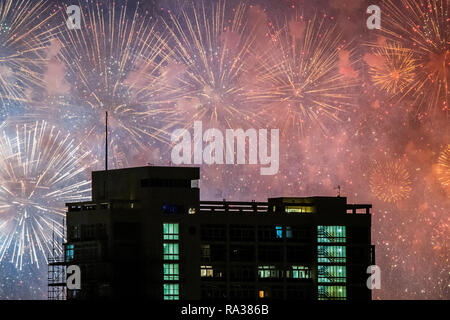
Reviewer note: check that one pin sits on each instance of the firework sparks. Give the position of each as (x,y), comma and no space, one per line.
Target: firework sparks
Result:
(21,41)
(422,26)
(114,64)
(40,170)
(210,48)
(303,77)
(390,181)
(392,68)
(443,167)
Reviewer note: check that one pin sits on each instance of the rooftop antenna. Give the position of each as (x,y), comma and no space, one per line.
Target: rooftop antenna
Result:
(106,155)
(339,190)
(106,140)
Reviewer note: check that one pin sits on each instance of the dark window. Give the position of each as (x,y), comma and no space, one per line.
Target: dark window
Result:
(126,231)
(301,234)
(270,253)
(242,273)
(213,232)
(242,253)
(269,233)
(172,208)
(242,233)
(218,252)
(299,254)
(242,292)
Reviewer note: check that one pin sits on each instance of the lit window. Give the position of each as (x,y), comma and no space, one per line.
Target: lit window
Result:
(261,294)
(206,271)
(171,251)
(69,252)
(299,209)
(279,230)
(331,234)
(288,232)
(332,273)
(331,254)
(171,291)
(170,231)
(268,272)
(301,272)
(332,292)
(171,271)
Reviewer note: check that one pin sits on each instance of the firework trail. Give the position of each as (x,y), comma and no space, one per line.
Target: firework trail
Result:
(40,169)
(115,64)
(210,44)
(306,75)
(423,27)
(390,181)
(22,39)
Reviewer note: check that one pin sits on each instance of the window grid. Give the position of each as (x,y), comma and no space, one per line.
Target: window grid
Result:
(69,252)
(331,254)
(171,271)
(327,234)
(301,272)
(170,231)
(171,251)
(206,271)
(332,274)
(171,291)
(332,292)
(268,272)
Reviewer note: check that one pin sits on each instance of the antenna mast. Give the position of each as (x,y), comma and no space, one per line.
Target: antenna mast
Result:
(106,140)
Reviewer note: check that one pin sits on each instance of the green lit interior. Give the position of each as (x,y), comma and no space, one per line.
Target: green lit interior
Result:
(332,292)
(332,271)
(170,231)
(171,291)
(327,234)
(171,251)
(171,271)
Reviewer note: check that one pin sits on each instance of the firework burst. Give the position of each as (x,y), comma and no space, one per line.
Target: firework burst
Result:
(40,170)
(21,43)
(390,181)
(210,46)
(443,167)
(392,68)
(306,76)
(422,26)
(114,64)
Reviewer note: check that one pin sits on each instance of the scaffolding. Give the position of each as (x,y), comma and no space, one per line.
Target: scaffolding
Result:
(57,269)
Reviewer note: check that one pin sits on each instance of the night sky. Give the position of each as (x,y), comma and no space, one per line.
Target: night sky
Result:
(365,110)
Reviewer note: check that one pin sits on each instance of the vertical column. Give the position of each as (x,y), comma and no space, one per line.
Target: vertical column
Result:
(332,258)
(171,259)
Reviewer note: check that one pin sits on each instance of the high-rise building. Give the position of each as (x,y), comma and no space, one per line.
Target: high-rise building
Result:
(146,234)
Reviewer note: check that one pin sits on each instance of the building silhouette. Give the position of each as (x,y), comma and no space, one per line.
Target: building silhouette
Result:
(146,234)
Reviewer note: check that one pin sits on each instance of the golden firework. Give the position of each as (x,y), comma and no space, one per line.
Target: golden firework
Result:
(422,26)
(443,167)
(392,68)
(390,181)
